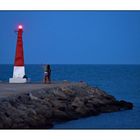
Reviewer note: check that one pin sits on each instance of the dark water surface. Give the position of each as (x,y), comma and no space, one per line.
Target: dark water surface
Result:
(121,81)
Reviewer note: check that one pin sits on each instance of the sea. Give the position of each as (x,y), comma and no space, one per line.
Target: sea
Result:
(121,81)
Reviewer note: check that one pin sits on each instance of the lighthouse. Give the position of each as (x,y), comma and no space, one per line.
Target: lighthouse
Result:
(19,68)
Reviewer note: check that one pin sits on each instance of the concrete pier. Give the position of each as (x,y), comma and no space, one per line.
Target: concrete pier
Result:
(7,89)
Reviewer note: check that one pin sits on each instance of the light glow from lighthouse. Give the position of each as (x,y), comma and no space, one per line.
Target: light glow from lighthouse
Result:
(20,26)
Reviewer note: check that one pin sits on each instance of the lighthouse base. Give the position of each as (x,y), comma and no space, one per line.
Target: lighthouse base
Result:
(17,80)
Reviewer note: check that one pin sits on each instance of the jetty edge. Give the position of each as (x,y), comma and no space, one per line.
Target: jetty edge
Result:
(41,107)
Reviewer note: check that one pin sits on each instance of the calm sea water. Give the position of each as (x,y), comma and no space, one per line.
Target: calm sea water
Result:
(121,81)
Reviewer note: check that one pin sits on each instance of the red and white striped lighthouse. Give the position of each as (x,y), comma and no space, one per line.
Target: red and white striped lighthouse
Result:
(19,68)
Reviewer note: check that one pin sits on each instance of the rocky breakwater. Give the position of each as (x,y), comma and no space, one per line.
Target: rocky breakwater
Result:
(62,102)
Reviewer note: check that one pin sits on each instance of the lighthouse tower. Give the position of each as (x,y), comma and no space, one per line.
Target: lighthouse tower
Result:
(19,69)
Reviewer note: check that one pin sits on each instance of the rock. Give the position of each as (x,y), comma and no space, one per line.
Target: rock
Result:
(58,104)
(59,94)
(33,97)
(82,111)
(125,105)
(59,115)
(108,108)
(77,102)
(41,108)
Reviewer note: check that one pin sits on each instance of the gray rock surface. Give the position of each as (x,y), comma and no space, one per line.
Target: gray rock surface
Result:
(41,107)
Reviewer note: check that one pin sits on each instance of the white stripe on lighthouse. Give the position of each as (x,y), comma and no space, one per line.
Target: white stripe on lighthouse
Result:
(19,71)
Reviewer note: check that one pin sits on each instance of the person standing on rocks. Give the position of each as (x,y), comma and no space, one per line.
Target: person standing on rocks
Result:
(47,74)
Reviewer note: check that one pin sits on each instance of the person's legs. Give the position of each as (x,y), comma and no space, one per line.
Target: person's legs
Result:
(46,79)
(49,78)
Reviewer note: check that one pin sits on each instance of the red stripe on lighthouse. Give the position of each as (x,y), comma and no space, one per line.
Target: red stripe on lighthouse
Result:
(19,57)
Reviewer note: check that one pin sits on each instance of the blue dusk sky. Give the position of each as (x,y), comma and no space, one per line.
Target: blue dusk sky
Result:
(72,37)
